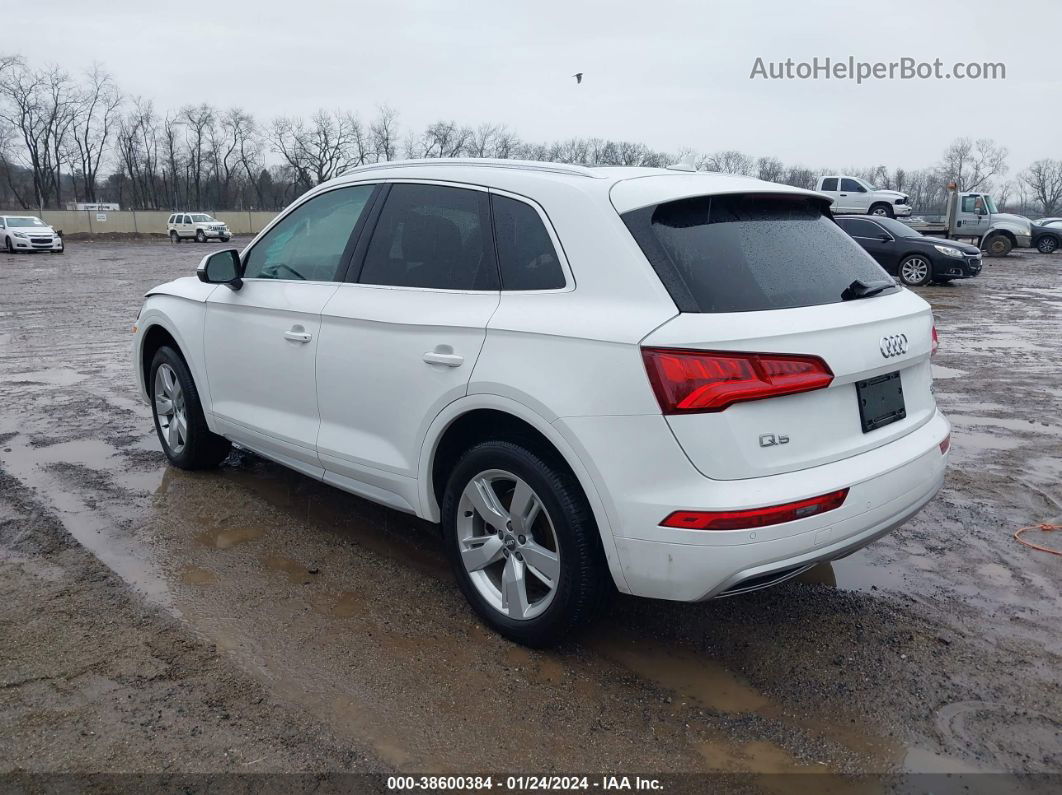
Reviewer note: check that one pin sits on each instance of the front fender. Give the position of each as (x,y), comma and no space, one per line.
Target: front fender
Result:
(182,319)
(429,507)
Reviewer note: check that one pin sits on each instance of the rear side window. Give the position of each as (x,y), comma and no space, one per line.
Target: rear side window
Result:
(830,183)
(749,252)
(525,251)
(433,237)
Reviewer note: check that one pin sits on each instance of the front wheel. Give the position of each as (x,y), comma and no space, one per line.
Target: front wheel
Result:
(523,543)
(226,239)
(998,245)
(200,237)
(178,413)
(9,246)
(882,210)
(915,271)
(1046,244)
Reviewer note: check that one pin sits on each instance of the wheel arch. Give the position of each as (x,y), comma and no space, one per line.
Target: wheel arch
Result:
(158,329)
(481,416)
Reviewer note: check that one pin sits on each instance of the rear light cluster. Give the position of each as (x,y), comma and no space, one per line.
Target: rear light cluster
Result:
(756,517)
(935,343)
(945,445)
(688,381)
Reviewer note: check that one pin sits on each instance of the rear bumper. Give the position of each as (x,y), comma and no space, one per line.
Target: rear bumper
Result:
(887,486)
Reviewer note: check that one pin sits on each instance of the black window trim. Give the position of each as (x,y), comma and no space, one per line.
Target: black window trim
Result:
(348,249)
(547,222)
(870,221)
(357,261)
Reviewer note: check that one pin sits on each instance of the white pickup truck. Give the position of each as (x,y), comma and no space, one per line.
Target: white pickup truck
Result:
(854,195)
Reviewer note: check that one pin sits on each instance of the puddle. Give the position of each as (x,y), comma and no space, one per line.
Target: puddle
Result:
(756,756)
(60,376)
(941,372)
(975,441)
(227,537)
(194,575)
(295,571)
(1009,423)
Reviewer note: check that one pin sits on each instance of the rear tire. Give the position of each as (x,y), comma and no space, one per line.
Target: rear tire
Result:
(998,245)
(523,543)
(883,210)
(179,422)
(174,237)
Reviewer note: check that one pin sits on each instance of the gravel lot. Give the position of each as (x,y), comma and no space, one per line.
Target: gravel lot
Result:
(254,620)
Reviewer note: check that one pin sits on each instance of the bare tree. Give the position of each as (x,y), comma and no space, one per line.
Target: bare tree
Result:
(730,162)
(95,113)
(1044,181)
(973,164)
(199,124)
(329,146)
(770,169)
(383,132)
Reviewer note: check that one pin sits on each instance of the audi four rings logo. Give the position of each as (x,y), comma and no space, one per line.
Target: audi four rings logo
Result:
(893,345)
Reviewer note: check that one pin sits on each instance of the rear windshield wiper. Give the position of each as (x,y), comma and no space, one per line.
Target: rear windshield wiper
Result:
(861,289)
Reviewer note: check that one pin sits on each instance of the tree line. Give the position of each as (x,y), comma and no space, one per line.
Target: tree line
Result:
(67,138)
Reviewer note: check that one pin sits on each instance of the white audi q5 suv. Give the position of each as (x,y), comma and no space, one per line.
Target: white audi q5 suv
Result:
(681,385)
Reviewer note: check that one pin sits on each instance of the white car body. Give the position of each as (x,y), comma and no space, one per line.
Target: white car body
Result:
(196,226)
(356,384)
(16,235)
(854,195)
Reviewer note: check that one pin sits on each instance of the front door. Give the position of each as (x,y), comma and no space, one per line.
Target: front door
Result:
(262,340)
(971,219)
(854,196)
(398,343)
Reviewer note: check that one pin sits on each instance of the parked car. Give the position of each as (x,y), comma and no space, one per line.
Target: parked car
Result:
(854,195)
(199,227)
(28,233)
(1047,235)
(683,386)
(903,252)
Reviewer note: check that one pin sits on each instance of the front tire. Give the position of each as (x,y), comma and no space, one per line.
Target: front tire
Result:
(915,270)
(226,239)
(1047,244)
(882,210)
(998,245)
(523,543)
(179,422)
(200,237)
(9,246)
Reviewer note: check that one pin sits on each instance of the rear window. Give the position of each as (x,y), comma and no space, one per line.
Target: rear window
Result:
(749,252)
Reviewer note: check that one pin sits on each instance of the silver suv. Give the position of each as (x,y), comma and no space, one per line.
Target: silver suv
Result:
(197,226)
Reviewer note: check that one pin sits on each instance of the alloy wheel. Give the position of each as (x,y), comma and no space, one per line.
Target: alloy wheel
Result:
(508,544)
(914,270)
(170,408)
(1047,245)
(880,211)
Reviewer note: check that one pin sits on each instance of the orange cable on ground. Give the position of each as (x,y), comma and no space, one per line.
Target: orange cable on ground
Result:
(1047,528)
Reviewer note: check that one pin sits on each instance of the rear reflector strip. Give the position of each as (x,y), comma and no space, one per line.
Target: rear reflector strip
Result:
(756,517)
(689,381)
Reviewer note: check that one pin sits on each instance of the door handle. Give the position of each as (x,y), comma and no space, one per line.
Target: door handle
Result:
(844,194)
(298,334)
(446,359)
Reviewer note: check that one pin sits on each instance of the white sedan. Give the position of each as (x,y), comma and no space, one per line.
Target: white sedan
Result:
(677,385)
(21,233)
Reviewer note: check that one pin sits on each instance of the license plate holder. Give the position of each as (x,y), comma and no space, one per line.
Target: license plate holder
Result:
(880,401)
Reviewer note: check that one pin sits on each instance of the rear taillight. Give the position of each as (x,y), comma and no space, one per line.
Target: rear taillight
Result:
(756,517)
(945,445)
(935,343)
(687,381)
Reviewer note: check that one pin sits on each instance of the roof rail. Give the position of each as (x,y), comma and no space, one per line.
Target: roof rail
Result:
(481,162)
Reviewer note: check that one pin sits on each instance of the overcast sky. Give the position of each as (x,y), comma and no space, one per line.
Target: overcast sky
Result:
(669,74)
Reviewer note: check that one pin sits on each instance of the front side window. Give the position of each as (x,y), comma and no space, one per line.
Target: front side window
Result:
(830,183)
(750,252)
(526,254)
(434,237)
(308,243)
(852,186)
(859,228)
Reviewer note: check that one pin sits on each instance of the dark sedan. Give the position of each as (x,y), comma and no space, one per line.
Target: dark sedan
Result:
(916,260)
(1047,235)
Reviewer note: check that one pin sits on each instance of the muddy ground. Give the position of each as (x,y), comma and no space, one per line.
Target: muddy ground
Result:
(253,620)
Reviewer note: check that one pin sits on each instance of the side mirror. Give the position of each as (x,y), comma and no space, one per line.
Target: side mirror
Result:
(886,238)
(221,267)
(979,210)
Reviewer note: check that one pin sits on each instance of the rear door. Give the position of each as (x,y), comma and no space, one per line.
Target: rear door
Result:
(400,338)
(765,275)
(262,340)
